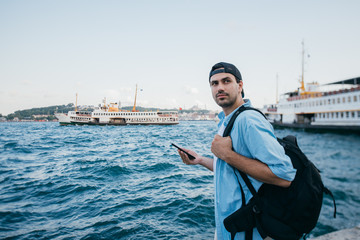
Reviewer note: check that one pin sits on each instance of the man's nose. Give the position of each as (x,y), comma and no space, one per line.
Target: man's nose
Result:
(220,87)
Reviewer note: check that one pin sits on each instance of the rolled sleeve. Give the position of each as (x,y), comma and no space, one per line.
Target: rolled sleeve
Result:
(263,146)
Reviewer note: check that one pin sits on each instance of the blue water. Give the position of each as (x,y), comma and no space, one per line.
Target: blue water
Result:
(111,182)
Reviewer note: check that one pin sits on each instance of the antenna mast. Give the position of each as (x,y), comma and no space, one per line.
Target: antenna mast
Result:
(76,102)
(134,108)
(302,67)
(277,88)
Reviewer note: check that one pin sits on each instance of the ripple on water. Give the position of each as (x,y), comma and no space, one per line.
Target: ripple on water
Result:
(90,182)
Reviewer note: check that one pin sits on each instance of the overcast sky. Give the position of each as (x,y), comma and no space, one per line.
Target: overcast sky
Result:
(51,50)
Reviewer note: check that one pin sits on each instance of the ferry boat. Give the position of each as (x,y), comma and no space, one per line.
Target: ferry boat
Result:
(337,110)
(111,114)
(329,107)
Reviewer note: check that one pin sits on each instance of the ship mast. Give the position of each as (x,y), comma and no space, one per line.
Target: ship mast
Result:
(76,102)
(134,110)
(302,68)
(277,88)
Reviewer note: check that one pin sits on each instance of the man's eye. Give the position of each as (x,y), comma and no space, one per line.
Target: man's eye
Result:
(213,83)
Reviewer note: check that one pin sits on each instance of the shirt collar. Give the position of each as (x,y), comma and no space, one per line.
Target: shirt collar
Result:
(225,119)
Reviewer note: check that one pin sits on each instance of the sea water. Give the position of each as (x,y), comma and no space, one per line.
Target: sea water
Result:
(127,182)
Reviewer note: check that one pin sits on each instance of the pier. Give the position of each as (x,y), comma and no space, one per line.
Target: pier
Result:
(345,234)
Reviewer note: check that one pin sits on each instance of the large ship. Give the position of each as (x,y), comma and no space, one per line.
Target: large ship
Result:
(111,114)
(329,107)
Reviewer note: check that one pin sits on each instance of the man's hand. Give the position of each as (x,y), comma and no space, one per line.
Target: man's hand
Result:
(186,158)
(221,146)
(204,161)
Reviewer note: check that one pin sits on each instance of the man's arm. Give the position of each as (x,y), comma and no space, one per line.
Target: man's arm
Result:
(204,161)
(222,148)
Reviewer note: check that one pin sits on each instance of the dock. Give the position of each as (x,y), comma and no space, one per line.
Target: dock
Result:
(345,234)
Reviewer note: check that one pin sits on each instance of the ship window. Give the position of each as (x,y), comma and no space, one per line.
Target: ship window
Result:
(338,100)
(358,114)
(343,99)
(341,115)
(355,98)
(347,114)
(329,101)
(349,99)
(334,101)
(352,114)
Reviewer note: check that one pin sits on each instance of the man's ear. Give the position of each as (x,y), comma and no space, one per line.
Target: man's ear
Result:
(240,86)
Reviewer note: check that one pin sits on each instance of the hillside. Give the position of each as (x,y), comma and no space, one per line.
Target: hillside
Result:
(40,113)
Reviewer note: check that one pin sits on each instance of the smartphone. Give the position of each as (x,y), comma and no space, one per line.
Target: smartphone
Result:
(191,157)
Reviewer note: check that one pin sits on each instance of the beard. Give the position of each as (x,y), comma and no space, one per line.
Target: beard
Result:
(225,102)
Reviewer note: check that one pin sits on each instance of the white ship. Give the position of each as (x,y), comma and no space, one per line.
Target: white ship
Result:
(111,114)
(329,107)
(311,109)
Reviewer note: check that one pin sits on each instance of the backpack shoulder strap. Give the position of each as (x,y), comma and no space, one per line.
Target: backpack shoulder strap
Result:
(234,116)
(227,133)
(248,234)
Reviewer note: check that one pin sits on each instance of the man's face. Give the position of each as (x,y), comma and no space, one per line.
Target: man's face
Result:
(225,90)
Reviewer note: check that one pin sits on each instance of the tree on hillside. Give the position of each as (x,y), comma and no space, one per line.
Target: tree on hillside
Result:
(29,113)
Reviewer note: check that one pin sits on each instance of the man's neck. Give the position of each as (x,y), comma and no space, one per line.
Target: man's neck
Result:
(230,109)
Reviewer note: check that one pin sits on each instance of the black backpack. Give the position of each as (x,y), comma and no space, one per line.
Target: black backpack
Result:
(277,212)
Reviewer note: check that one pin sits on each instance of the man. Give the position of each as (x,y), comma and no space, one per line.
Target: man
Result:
(256,150)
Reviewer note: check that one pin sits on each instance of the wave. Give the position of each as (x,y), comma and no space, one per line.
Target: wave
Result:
(128,182)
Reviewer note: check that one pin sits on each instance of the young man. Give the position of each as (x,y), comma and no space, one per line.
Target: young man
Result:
(256,150)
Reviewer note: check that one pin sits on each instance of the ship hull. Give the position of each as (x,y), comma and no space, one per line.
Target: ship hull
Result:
(318,128)
(113,124)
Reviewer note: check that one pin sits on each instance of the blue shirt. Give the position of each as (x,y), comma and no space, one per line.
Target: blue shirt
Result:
(253,137)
